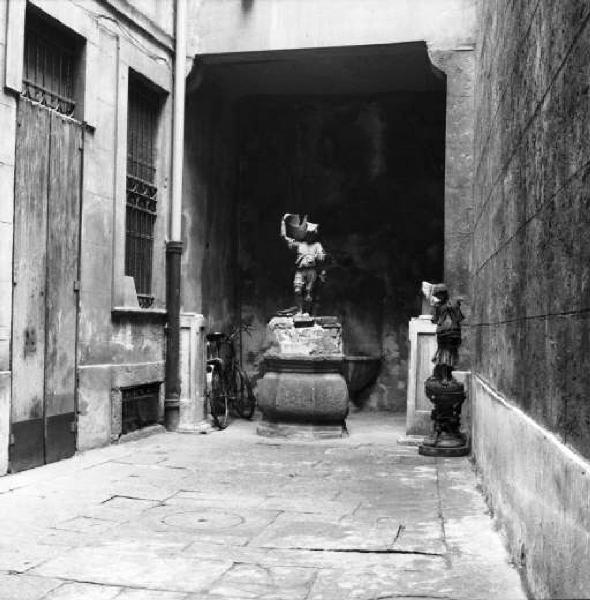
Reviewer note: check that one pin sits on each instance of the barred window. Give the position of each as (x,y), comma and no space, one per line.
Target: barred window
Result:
(50,64)
(142,121)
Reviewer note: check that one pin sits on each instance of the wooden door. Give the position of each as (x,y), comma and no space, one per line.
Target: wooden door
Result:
(63,218)
(46,250)
(28,321)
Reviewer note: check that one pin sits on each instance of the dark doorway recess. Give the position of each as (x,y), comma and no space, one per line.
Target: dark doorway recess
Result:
(355,138)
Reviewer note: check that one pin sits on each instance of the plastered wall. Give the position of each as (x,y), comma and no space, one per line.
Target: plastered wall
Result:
(114,345)
(209,217)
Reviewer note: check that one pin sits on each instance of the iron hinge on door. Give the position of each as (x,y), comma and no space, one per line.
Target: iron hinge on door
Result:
(73,426)
(76,286)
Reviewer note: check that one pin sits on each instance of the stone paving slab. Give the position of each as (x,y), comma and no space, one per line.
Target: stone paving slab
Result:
(232,516)
(140,569)
(25,587)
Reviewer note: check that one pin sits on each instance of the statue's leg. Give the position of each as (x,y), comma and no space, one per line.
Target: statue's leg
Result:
(298,290)
(316,298)
(310,298)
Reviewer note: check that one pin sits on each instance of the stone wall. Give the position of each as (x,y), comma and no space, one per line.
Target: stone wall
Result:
(531,252)
(371,172)
(531,280)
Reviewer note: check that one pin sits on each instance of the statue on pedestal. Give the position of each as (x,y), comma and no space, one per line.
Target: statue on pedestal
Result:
(442,389)
(303,237)
(303,393)
(447,317)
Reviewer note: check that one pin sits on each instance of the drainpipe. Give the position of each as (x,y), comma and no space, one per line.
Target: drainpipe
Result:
(174,245)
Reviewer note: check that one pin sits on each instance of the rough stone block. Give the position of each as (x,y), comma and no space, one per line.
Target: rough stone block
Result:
(315,340)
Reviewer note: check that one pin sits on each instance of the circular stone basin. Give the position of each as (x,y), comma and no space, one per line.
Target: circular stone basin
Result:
(360,371)
(305,389)
(203,519)
(296,363)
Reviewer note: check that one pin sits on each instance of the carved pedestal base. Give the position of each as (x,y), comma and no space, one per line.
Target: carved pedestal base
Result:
(447,439)
(305,390)
(303,393)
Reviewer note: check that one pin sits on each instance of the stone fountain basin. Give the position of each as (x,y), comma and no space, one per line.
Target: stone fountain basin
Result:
(304,389)
(360,371)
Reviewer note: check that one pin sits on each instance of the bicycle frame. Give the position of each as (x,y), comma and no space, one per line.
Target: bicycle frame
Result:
(222,362)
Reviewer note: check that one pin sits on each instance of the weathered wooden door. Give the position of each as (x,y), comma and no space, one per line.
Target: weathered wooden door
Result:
(46,251)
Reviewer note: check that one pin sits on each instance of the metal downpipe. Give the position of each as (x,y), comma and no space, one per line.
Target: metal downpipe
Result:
(174,245)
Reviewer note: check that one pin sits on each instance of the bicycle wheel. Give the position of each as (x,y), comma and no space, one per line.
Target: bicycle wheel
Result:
(218,400)
(243,399)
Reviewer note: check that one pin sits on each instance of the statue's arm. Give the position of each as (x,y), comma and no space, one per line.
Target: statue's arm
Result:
(290,241)
(320,253)
(284,227)
(435,314)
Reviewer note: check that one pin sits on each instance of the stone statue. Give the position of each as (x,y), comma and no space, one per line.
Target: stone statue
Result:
(442,389)
(303,392)
(310,257)
(447,316)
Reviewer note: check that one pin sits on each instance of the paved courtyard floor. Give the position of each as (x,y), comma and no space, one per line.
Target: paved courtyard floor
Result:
(231,515)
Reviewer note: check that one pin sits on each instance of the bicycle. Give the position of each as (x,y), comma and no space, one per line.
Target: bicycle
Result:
(228,385)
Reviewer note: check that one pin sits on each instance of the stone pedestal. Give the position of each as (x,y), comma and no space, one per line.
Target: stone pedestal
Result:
(192,410)
(422,334)
(303,393)
(446,440)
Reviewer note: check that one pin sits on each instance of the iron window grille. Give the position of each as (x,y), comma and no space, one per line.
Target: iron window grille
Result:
(49,66)
(140,407)
(142,121)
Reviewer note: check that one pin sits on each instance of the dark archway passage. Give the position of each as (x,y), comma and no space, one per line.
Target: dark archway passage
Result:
(353,137)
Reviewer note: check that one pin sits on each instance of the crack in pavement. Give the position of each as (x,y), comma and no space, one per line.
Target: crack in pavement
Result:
(441,516)
(398,533)
(393,596)
(359,550)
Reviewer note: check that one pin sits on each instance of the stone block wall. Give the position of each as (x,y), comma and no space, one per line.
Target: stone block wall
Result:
(531,256)
(531,277)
